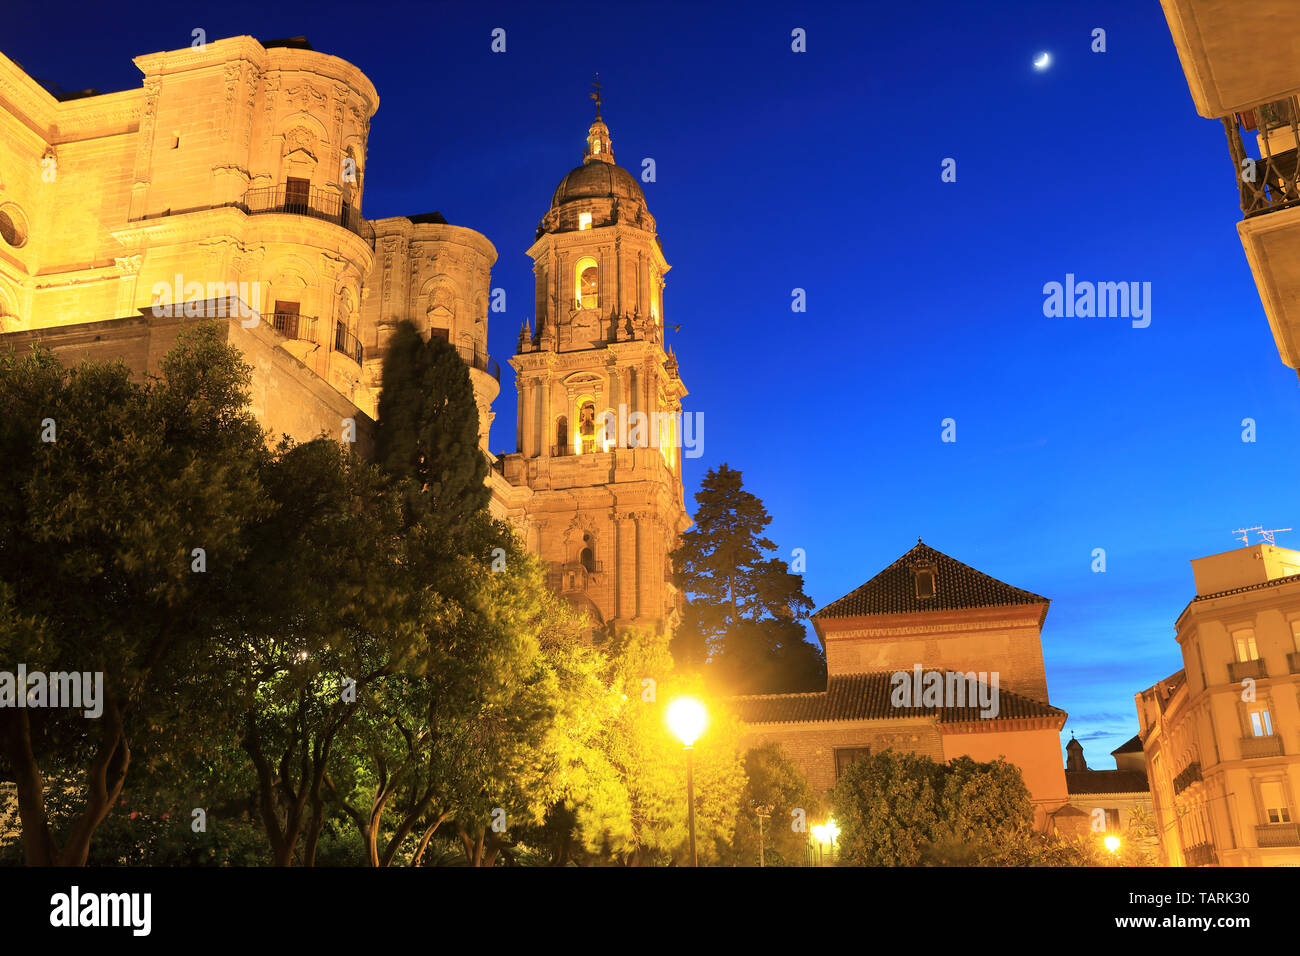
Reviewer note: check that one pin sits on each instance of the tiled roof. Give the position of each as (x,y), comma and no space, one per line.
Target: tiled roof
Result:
(867,697)
(1106,781)
(1271,583)
(1131,746)
(956,586)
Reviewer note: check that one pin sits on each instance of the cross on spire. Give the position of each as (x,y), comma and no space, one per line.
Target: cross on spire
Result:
(595,94)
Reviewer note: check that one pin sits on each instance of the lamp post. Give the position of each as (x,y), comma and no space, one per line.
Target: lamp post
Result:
(686,719)
(762,811)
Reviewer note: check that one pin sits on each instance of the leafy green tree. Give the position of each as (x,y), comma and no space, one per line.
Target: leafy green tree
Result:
(886,806)
(110,487)
(746,609)
(776,787)
(428,430)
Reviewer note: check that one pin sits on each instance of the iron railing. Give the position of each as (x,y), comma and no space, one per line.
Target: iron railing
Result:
(294,326)
(348,344)
(1186,777)
(479,360)
(1277,834)
(1270,746)
(1202,854)
(1241,670)
(314,203)
(1269,182)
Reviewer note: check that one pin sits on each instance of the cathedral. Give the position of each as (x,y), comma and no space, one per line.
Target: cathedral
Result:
(230,184)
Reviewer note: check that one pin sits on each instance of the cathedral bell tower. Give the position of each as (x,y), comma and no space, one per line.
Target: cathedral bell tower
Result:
(600,400)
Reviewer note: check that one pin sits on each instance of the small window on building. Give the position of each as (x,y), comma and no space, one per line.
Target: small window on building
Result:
(588,283)
(1112,820)
(924,580)
(584,221)
(562,435)
(1275,808)
(844,756)
(588,560)
(1245,642)
(1261,723)
(437,333)
(297,194)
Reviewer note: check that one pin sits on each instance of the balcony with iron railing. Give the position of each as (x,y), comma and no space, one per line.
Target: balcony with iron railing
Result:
(479,360)
(1202,854)
(1243,670)
(291,325)
(314,203)
(348,344)
(1253,747)
(1186,777)
(1267,182)
(1277,834)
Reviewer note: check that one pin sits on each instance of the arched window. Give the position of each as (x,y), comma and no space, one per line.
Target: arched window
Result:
(588,283)
(561,436)
(588,560)
(587,427)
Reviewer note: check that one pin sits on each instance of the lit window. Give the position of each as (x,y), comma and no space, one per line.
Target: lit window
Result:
(1275,808)
(1261,723)
(588,276)
(1245,641)
(584,220)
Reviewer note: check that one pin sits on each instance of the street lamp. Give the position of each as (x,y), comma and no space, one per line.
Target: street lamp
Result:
(687,719)
(762,811)
(1112,843)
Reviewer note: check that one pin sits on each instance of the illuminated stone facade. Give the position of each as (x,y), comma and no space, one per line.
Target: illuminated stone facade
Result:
(235,175)
(1222,735)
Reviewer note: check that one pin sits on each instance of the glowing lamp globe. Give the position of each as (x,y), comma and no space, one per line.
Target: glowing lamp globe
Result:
(1112,843)
(687,719)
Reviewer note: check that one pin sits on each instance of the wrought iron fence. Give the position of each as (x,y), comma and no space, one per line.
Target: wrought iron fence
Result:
(1270,746)
(1188,776)
(294,326)
(348,344)
(1240,670)
(314,203)
(479,360)
(1202,854)
(1269,182)
(1277,834)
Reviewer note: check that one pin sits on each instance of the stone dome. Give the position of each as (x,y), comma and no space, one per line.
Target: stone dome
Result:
(597,180)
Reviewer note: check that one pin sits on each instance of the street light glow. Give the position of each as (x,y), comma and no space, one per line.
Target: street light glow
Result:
(1112,843)
(687,719)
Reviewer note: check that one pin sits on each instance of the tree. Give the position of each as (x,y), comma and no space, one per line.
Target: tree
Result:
(746,609)
(776,787)
(428,430)
(123,504)
(905,809)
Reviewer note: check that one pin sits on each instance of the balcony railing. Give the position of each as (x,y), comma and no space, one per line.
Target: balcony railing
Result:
(1293,662)
(1277,834)
(1202,854)
(1270,746)
(314,203)
(1186,777)
(348,344)
(480,360)
(1241,670)
(294,326)
(1269,182)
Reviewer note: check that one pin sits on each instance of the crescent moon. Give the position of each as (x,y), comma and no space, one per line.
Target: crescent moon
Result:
(1043,62)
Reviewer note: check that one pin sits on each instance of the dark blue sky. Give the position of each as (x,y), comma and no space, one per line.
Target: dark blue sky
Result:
(821,170)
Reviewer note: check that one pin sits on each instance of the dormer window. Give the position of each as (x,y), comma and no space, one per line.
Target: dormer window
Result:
(584,221)
(923,579)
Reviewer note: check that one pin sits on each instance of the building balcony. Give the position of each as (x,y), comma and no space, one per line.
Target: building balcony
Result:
(1202,854)
(314,203)
(291,325)
(480,360)
(1235,54)
(348,344)
(1186,777)
(1277,834)
(1267,182)
(1253,747)
(1293,662)
(1243,670)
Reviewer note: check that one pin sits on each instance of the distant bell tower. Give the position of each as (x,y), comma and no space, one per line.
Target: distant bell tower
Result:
(600,399)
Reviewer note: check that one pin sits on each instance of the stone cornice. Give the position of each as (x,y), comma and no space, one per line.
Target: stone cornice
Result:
(435,232)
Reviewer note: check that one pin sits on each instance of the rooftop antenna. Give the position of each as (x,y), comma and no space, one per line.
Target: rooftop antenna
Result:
(1245,533)
(1268,535)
